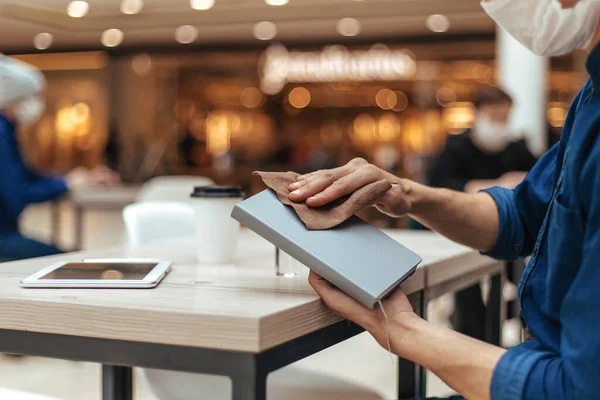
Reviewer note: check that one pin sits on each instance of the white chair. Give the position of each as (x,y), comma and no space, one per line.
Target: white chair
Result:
(153,221)
(149,222)
(10,394)
(171,188)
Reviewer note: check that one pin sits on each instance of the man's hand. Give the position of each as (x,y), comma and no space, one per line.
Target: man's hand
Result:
(103,175)
(322,187)
(81,177)
(396,307)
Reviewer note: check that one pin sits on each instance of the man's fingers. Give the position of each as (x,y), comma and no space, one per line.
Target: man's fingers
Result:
(312,187)
(316,183)
(310,174)
(342,187)
(335,299)
(337,172)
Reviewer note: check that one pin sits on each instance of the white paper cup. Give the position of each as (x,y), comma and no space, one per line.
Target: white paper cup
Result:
(216,231)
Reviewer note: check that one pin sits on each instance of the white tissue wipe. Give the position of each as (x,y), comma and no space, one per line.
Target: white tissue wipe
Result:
(387,331)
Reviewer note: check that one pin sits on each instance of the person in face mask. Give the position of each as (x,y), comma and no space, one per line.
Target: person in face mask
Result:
(553,216)
(485,155)
(21,104)
(482,157)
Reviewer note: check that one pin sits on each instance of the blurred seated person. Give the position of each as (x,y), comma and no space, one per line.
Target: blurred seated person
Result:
(21,87)
(481,157)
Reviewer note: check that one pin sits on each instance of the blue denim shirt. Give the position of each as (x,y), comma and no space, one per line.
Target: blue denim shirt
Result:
(554,216)
(19,184)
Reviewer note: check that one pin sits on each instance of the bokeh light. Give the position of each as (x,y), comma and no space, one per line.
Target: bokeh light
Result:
(202,5)
(299,97)
(186,34)
(77,9)
(265,30)
(131,7)
(112,37)
(438,23)
(349,27)
(43,41)
(251,97)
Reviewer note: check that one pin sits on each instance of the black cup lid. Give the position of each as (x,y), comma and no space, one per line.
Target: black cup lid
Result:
(217,192)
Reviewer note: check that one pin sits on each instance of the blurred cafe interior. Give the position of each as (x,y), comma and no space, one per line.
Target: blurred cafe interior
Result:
(222,88)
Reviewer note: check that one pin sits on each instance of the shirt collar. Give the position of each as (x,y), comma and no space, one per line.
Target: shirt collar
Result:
(593,66)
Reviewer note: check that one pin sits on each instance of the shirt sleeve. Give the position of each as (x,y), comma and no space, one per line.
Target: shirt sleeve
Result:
(522,210)
(18,189)
(533,374)
(46,188)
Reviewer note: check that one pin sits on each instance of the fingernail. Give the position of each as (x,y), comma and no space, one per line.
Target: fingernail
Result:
(294,185)
(296,192)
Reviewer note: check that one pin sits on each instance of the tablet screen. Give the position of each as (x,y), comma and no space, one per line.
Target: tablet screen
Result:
(101,271)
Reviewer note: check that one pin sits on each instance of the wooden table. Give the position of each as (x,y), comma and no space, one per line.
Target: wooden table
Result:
(237,320)
(111,198)
(450,267)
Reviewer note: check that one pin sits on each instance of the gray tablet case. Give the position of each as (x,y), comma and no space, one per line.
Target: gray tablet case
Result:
(355,256)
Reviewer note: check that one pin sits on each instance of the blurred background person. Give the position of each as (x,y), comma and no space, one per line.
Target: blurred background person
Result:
(21,87)
(485,155)
(481,157)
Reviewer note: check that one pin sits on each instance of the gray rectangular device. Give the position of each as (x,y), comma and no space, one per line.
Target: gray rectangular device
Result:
(355,256)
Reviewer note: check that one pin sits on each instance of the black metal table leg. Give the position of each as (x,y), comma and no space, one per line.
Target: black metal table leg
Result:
(412,382)
(494,315)
(55,222)
(250,382)
(117,383)
(78,216)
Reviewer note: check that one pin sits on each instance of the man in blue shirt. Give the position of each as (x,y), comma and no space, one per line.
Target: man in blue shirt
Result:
(554,216)
(20,185)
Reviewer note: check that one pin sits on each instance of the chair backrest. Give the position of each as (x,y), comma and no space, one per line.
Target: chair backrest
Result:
(155,221)
(171,188)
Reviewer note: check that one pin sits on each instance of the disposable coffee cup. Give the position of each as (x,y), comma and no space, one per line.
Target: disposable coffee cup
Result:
(216,231)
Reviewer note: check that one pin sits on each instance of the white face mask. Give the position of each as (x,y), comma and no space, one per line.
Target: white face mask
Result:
(29,111)
(543,26)
(490,136)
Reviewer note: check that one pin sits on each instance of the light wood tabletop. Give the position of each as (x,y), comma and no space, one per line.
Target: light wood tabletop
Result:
(105,197)
(444,260)
(239,307)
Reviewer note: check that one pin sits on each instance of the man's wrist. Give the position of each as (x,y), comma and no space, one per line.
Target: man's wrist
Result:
(420,197)
(404,329)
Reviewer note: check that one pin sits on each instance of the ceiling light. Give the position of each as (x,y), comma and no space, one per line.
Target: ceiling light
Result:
(265,30)
(277,2)
(112,37)
(131,7)
(202,4)
(438,23)
(348,27)
(186,34)
(42,41)
(77,9)
(141,63)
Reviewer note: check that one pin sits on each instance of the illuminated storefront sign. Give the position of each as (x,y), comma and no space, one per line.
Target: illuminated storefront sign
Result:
(334,64)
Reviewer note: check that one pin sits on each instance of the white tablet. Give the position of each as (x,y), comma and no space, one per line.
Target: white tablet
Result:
(100,273)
